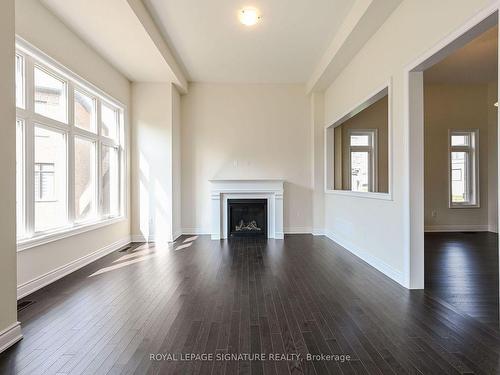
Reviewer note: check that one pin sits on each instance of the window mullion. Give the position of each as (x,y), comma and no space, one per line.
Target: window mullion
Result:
(71,153)
(29,177)
(99,160)
(29,152)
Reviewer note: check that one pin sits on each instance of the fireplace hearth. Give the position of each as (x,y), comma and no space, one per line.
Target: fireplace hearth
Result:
(247,217)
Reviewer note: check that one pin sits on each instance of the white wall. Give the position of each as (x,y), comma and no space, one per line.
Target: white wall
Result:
(238,131)
(8,314)
(38,26)
(317,128)
(156,162)
(375,229)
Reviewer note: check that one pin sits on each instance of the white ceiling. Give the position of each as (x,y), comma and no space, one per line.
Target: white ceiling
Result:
(476,62)
(284,47)
(113,29)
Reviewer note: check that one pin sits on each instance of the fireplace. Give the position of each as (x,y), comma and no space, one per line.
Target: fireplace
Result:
(247,217)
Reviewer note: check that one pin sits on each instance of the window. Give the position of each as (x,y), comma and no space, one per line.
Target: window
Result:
(362,159)
(45,182)
(50,95)
(20,204)
(19,81)
(50,179)
(85,179)
(358,150)
(110,119)
(463,168)
(85,112)
(70,163)
(110,179)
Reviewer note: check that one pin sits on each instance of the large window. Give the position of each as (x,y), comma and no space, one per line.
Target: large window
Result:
(70,154)
(463,173)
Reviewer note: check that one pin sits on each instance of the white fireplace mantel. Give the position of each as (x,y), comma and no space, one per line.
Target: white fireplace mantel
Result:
(222,190)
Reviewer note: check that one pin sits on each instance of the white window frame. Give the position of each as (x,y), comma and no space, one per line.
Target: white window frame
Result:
(371,149)
(329,146)
(472,167)
(32,56)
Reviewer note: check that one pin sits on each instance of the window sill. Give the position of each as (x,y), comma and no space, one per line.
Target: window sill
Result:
(45,238)
(460,206)
(358,194)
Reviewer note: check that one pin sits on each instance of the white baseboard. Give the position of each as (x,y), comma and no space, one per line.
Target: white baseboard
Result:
(141,238)
(197,231)
(373,261)
(177,233)
(288,230)
(43,280)
(298,230)
(318,232)
(10,336)
(457,228)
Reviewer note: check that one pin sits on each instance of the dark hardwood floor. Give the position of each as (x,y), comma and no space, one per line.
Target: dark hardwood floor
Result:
(301,295)
(462,269)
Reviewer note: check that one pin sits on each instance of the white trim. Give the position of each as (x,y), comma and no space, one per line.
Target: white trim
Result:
(413,140)
(29,243)
(373,261)
(57,273)
(152,238)
(318,231)
(196,231)
(360,194)
(298,230)
(223,190)
(379,93)
(457,228)
(288,230)
(10,335)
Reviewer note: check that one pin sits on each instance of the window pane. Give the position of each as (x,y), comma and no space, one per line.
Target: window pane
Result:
(109,121)
(459,188)
(360,171)
(84,111)
(360,140)
(110,181)
(460,140)
(19,81)
(50,96)
(50,179)
(85,184)
(20,178)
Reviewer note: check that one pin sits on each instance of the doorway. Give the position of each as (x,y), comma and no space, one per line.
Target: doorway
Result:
(453,138)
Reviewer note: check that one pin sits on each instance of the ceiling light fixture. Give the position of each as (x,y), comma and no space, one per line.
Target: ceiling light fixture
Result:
(249,16)
(496,104)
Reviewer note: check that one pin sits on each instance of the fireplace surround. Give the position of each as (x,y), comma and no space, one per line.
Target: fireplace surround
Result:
(270,190)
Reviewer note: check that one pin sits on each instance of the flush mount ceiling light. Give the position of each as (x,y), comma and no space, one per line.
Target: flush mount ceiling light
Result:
(249,16)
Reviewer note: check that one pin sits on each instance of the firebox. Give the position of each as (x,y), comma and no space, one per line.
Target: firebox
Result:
(247,217)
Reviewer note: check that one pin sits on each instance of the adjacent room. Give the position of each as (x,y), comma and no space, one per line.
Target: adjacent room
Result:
(461,178)
(258,187)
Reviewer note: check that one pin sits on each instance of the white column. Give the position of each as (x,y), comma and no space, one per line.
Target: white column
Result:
(278,225)
(216,215)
